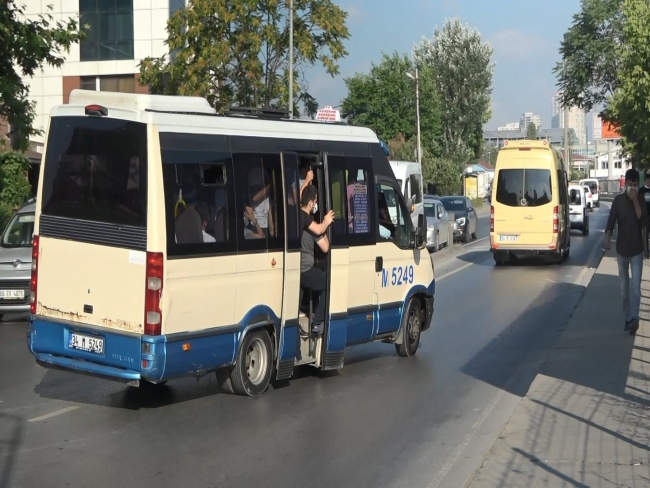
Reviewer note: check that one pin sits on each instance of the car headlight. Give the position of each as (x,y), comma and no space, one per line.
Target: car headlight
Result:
(460,221)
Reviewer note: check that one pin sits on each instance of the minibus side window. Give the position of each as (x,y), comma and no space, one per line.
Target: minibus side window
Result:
(292,200)
(260,201)
(198,202)
(415,188)
(389,202)
(360,207)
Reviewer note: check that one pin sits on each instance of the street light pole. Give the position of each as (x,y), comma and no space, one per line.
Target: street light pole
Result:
(291,59)
(417,111)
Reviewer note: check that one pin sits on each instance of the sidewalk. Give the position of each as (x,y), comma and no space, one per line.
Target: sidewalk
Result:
(585,420)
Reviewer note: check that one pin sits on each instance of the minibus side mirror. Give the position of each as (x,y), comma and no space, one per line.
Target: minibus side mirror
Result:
(420,232)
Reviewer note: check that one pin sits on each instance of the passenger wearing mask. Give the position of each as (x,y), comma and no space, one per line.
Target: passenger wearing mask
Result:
(631,214)
(313,234)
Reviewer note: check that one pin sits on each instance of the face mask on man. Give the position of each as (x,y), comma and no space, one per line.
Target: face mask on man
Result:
(314,209)
(631,190)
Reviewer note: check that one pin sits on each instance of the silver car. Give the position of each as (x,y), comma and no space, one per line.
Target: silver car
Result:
(437,224)
(16,262)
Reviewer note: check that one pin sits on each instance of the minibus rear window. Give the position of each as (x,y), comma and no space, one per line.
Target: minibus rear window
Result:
(524,188)
(96,170)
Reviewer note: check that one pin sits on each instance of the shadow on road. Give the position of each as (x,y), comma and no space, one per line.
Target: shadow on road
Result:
(521,348)
(11,434)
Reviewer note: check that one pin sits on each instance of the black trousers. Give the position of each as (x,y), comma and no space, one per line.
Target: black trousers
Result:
(315,280)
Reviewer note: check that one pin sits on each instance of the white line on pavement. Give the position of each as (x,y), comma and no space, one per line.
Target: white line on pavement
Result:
(477,240)
(53,414)
(446,275)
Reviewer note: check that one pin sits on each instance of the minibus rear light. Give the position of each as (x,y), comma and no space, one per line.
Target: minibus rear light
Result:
(153,293)
(33,285)
(492,218)
(555,220)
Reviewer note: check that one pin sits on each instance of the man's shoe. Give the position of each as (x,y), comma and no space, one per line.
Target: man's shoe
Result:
(317,328)
(634,326)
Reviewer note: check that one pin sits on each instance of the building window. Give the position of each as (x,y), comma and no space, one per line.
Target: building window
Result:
(111,29)
(117,83)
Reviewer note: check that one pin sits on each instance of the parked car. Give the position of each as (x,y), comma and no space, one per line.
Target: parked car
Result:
(589,197)
(16,261)
(437,223)
(466,220)
(578,215)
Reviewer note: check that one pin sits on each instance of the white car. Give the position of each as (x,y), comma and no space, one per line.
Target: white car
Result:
(437,224)
(589,197)
(594,187)
(578,214)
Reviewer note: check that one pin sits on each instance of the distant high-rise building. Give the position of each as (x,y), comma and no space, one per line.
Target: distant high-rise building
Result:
(509,126)
(598,127)
(576,118)
(527,118)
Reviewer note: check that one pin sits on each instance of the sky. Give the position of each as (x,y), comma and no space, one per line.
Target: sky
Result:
(525,35)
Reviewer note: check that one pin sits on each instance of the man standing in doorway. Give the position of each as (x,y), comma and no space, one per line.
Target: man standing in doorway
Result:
(630,212)
(313,234)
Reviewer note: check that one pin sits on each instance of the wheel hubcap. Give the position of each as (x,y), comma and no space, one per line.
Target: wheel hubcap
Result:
(256,361)
(414,328)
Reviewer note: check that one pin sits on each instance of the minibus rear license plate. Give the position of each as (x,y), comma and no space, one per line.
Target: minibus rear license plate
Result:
(508,238)
(86,343)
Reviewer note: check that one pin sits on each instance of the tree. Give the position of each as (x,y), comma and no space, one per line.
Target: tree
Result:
(27,46)
(531,134)
(490,153)
(629,105)
(588,73)
(442,172)
(237,52)
(384,100)
(462,75)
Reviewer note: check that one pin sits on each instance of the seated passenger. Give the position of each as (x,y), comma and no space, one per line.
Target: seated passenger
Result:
(204,213)
(313,234)
(252,229)
(189,228)
(386,227)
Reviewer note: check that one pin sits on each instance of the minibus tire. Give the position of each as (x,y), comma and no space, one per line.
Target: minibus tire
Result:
(256,347)
(411,330)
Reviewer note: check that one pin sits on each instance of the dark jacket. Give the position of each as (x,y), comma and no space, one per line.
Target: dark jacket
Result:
(630,237)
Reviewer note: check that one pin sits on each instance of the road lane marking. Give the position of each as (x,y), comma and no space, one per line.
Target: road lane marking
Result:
(53,414)
(477,240)
(446,275)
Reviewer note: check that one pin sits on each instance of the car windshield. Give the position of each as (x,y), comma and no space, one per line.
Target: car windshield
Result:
(20,231)
(429,209)
(574,197)
(454,204)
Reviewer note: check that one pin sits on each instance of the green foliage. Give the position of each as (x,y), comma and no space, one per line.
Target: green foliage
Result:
(591,52)
(15,187)
(490,153)
(27,46)
(385,101)
(237,52)
(629,105)
(443,173)
(531,133)
(462,75)
(477,202)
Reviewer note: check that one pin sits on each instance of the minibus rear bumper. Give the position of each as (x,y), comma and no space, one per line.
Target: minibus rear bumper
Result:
(126,357)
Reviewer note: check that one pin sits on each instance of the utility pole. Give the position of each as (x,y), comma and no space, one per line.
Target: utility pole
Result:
(417,110)
(291,59)
(587,148)
(565,115)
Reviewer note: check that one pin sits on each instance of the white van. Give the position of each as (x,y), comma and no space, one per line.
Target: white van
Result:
(578,210)
(409,177)
(594,186)
(167,244)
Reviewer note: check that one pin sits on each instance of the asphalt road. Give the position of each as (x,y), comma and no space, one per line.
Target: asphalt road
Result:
(381,421)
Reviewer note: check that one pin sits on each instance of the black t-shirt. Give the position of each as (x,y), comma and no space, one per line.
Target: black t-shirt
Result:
(307,242)
(645,193)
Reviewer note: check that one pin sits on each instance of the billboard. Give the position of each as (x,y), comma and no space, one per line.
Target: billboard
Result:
(610,131)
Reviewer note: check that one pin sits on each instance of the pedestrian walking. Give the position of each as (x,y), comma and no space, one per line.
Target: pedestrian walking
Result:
(630,212)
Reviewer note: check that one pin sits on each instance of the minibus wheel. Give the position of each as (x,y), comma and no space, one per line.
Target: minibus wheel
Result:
(412,327)
(252,372)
